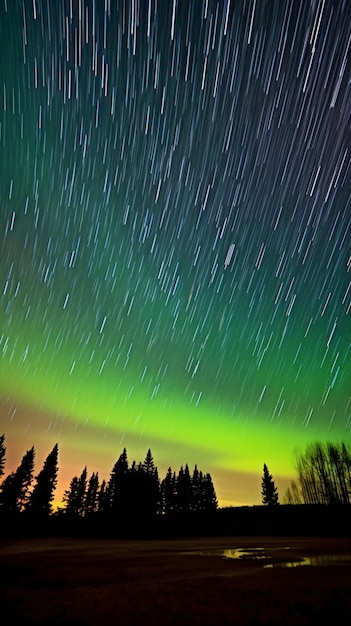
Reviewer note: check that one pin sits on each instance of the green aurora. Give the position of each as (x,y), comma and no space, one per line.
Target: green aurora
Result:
(175,235)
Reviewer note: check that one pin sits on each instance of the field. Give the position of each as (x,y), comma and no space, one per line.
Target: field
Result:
(184,581)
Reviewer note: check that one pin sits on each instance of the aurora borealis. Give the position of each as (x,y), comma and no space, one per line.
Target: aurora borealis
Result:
(175,233)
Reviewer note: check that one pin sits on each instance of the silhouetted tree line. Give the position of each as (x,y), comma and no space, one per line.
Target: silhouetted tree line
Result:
(135,502)
(323,475)
(15,493)
(136,491)
(132,491)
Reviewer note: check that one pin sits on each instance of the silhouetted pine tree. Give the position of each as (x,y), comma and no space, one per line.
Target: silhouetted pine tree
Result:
(2,454)
(118,491)
(69,497)
(196,484)
(157,499)
(74,496)
(133,484)
(102,498)
(149,465)
(149,493)
(14,489)
(40,500)
(169,494)
(82,484)
(201,496)
(91,496)
(184,490)
(209,495)
(184,493)
(269,490)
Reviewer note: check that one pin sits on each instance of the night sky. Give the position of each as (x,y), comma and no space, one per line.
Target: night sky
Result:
(175,245)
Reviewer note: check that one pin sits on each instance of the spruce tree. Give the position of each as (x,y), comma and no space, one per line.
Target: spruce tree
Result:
(14,489)
(2,454)
(90,501)
(75,495)
(209,495)
(269,490)
(149,465)
(144,490)
(81,488)
(40,500)
(102,498)
(168,488)
(196,490)
(184,490)
(152,486)
(118,486)
(70,497)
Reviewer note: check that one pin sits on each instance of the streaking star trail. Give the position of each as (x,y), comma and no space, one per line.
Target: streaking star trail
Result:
(175,233)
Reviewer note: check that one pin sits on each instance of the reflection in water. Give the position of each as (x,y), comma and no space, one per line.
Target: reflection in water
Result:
(256,553)
(261,553)
(327,559)
(242,553)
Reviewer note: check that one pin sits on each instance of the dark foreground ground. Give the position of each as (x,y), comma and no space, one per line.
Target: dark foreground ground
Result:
(105,582)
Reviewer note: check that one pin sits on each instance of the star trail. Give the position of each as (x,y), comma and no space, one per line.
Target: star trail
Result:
(175,246)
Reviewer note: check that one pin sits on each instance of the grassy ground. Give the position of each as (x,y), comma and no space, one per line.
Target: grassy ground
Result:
(105,582)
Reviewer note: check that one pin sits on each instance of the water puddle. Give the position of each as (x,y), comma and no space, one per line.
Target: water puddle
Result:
(327,559)
(244,553)
(274,557)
